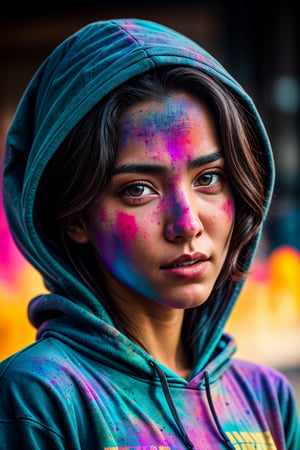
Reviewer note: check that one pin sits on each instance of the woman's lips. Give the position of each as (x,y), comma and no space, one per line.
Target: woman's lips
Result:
(187,266)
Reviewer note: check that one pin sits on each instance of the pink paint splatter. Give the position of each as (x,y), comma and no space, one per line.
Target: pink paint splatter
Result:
(177,146)
(126,223)
(126,228)
(228,208)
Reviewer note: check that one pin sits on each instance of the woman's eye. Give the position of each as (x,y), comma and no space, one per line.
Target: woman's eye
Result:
(208,179)
(138,190)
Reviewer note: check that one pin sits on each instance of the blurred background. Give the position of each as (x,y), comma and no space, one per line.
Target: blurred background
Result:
(258,43)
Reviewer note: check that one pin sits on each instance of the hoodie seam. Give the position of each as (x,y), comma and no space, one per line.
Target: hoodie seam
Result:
(214,68)
(30,419)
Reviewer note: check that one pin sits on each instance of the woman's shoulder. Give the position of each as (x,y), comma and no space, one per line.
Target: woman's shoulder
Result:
(40,372)
(29,379)
(262,378)
(270,389)
(253,368)
(33,362)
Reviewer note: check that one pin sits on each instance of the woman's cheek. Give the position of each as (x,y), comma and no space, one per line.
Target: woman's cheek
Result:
(125,231)
(114,235)
(119,237)
(222,217)
(229,209)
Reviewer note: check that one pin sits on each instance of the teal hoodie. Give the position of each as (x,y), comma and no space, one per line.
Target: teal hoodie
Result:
(83,384)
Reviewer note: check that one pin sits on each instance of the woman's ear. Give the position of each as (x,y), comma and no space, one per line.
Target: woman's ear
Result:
(78,232)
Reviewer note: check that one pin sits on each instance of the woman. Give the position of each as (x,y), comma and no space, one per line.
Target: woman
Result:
(137,177)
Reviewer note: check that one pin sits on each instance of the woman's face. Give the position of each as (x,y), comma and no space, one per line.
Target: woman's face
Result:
(162,228)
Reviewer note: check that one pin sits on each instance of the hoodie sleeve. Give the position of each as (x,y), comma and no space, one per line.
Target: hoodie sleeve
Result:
(33,414)
(281,411)
(25,433)
(28,413)
(271,397)
(290,418)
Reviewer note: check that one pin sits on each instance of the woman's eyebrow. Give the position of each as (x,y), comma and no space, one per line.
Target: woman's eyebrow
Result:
(161,170)
(205,159)
(142,168)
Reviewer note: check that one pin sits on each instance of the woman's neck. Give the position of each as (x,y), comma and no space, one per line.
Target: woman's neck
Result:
(160,333)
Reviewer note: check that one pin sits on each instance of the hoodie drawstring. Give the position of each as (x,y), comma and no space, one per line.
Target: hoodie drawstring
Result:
(168,396)
(214,414)
(172,407)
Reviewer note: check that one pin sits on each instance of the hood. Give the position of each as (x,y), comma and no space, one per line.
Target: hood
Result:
(76,76)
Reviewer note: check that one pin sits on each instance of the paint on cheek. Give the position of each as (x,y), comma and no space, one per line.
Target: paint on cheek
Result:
(126,229)
(228,208)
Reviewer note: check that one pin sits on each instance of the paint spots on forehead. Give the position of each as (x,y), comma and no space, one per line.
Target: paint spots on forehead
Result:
(177,145)
(161,118)
(169,121)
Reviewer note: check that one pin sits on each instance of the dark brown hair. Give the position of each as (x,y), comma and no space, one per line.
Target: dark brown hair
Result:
(82,167)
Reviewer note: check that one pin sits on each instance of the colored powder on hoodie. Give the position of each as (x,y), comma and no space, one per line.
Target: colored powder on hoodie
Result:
(83,384)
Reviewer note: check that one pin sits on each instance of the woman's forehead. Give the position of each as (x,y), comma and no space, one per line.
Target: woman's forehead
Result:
(178,126)
(159,115)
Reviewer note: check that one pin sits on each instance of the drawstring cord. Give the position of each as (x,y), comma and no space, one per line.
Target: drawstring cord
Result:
(168,396)
(214,414)
(171,405)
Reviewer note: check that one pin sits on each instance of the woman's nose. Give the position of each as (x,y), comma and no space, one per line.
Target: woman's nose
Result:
(183,220)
